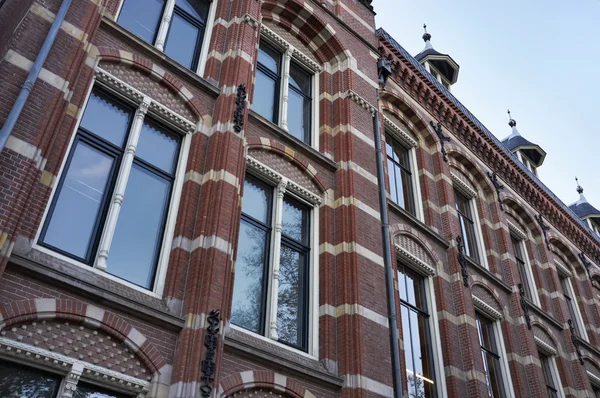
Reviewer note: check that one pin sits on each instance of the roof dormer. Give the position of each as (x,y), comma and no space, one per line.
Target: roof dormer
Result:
(530,154)
(584,210)
(441,66)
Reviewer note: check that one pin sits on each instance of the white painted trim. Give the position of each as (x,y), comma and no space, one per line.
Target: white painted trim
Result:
(545,347)
(578,318)
(594,380)
(485,308)
(210,24)
(562,269)
(398,133)
(462,186)
(506,376)
(518,232)
(416,264)
(480,242)
(163,27)
(271,341)
(530,278)
(438,357)
(556,377)
(418,199)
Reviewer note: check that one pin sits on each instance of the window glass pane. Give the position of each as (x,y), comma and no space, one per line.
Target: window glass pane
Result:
(427,377)
(407,191)
(293,221)
(300,79)
(256,200)
(493,365)
(269,58)
(408,349)
(298,116)
(138,235)
(17,381)
(198,9)
(399,187)
(158,147)
(181,41)
(291,296)
(389,148)
(106,119)
(79,202)
(85,390)
(402,156)
(264,101)
(392,177)
(142,17)
(249,273)
(462,204)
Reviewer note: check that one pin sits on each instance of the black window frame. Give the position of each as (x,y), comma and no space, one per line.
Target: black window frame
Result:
(565,281)
(48,373)
(467,220)
(302,247)
(485,351)
(307,133)
(162,13)
(519,255)
(421,312)
(548,376)
(100,389)
(103,145)
(276,77)
(410,202)
(201,26)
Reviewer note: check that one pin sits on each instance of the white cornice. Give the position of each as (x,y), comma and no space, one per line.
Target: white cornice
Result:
(486,308)
(415,263)
(399,133)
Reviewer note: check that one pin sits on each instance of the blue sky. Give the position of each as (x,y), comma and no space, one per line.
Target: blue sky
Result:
(537,58)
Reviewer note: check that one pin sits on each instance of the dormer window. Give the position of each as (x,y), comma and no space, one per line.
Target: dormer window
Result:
(441,66)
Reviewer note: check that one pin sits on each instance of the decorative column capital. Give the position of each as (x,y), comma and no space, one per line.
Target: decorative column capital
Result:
(70,385)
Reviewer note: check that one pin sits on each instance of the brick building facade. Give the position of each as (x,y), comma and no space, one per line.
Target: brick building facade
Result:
(163,235)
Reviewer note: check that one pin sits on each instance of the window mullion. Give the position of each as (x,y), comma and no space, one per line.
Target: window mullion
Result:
(121,185)
(285,89)
(164,25)
(276,260)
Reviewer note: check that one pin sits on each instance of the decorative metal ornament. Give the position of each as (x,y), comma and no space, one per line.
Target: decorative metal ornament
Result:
(524,306)
(545,228)
(240,107)
(586,264)
(384,69)
(443,138)
(210,342)
(462,260)
(499,187)
(575,341)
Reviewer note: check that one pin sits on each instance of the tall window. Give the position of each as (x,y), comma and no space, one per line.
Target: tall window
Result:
(567,290)
(20,381)
(283,91)
(418,353)
(270,294)
(400,174)
(114,191)
(519,253)
(467,224)
(491,356)
(551,386)
(175,26)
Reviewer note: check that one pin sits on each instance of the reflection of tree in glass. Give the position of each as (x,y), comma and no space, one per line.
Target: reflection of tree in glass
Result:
(22,383)
(287,306)
(246,312)
(415,384)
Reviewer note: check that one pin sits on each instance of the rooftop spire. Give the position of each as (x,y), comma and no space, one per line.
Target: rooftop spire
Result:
(426,37)
(582,198)
(511,122)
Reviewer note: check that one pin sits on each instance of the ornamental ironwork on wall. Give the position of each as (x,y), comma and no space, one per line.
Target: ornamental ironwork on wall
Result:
(240,106)
(499,187)
(545,228)
(443,138)
(210,342)
(575,341)
(524,305)
(586,264)
(462,260)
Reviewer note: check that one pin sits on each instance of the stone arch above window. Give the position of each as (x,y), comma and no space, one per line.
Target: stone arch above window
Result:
(475,175)
(259,384)
(544,339)
(486,301)
(411,250)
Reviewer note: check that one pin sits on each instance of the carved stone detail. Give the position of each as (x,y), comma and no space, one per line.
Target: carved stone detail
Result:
(210,342)
(462,260)
(240,108)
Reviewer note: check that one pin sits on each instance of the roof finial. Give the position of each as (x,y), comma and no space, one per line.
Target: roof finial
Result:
(426,36)
(511,122)
(579,188)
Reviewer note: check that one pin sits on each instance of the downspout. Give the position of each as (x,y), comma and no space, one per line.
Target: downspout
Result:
(384,70)
(26,88)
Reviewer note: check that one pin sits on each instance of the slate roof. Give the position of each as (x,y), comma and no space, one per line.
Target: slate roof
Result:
(584,209)
(515,141)
(426,52)
(480,125)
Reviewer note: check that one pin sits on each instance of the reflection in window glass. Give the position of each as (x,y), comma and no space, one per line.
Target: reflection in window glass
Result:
(400,175)
(490,355)
(290,314)
(106,118)
(142,17)
(467,226)
(85,390)
(158,147)
(299,103)
(72,225)
(198,9)
(18,381)
(517,246)
(547,370)
(416,335)
(266,88)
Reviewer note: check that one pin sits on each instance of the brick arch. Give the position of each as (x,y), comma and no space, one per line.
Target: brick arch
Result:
(91,316)
(397,230)
(265,379)
(301,21)
(521,212)
(459,159)
(565,253)
(153,71)
(408,114)
(543,333)
(488,294)
(288,153)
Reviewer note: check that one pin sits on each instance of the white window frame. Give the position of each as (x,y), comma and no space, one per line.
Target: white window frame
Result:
(404,138)
(177,124)
(72,370)
(494,316)
(551,354)
(163,30)
(472,195)
(289,54)
(428,272)
(284,186)
(565,273)
(521,237)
